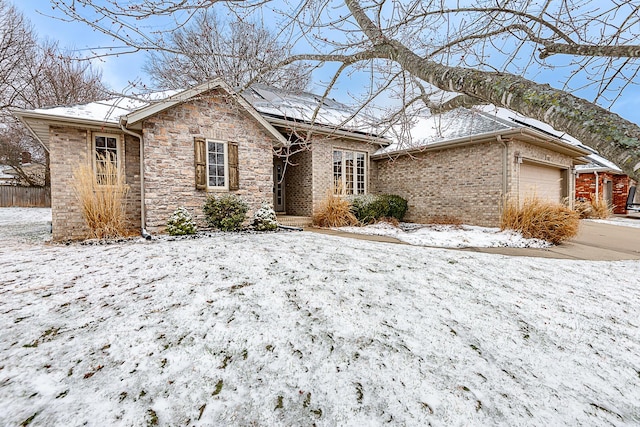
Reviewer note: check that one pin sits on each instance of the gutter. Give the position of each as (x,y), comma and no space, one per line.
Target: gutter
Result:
(143,222)
(530,134)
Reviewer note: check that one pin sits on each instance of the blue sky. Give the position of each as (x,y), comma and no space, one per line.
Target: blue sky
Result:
(119,71)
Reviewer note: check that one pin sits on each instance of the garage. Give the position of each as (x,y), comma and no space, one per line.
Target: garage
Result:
(544,182)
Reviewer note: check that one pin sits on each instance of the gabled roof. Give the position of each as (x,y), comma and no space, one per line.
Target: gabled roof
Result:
(463,125)
(128,111)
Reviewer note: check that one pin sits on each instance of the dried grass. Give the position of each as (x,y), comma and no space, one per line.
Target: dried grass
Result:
(598,209)
(538,219)
(103,196)
(334,211)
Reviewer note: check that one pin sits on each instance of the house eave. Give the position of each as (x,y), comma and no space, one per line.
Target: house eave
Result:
(38,123)
(294,126)
(521,134)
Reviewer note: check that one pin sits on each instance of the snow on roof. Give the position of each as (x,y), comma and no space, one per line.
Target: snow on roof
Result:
(453,124)
(108,110)
(308,108)
(596,161)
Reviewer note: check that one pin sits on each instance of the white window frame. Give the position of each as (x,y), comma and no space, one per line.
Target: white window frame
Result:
(224,187)
(119,150)
(355,171)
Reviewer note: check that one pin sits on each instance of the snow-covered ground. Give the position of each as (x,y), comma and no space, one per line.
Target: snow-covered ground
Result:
(449,236)
(301,329)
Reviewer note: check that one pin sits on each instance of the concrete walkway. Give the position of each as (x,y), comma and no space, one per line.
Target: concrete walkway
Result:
(594,242)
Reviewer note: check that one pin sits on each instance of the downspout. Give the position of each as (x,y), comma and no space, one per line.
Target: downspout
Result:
(597,186)
(143,222)
(505,164)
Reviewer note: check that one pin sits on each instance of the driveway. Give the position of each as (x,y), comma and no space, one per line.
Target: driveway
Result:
(595,242)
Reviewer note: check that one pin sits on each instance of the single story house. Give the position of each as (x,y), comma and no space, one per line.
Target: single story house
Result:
(289,149)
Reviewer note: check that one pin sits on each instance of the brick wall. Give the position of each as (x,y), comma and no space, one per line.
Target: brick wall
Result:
(299,184)
(586,188)
(463,183)
(70,148)
(169,156)
(322,157)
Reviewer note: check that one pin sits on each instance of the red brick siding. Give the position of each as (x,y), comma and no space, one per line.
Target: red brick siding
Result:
(586,188)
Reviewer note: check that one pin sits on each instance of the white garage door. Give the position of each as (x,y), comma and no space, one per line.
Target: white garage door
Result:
(544,182)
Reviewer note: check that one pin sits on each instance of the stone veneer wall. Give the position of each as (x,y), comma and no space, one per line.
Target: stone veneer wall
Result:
(69,148)
(462,183)
(169,156)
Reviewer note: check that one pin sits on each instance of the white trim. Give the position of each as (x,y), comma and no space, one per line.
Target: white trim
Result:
(355,169)
(119,149)
(226,164)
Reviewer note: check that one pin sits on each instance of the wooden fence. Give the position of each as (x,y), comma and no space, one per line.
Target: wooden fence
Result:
(25,197)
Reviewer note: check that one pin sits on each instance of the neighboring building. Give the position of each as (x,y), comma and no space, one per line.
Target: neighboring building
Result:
(179,148)
(602,179)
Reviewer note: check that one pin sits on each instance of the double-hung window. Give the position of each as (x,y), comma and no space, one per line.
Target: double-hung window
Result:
(107,157)
(349,172)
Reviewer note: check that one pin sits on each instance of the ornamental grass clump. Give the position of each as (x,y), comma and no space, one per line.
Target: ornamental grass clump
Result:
(598,208)
(265,218)
(226,213)
(334,211)
(181,223)
(103,199)
(538,219)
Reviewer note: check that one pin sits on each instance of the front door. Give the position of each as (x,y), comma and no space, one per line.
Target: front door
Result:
(278,185)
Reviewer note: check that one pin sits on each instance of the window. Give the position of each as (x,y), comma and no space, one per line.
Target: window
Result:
(216,164)
(349,172)
(107,158)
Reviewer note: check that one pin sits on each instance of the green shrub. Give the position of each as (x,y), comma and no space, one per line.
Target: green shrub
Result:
(265,218)
(397,206)
(226,213)
(181,223)
(369,208)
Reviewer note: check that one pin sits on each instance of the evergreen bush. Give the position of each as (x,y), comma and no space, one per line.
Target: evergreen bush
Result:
(369,208)
(226,213)
(181,223)
(265,218)
(397,206)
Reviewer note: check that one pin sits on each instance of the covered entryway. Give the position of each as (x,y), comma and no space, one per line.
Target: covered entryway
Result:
(541,181)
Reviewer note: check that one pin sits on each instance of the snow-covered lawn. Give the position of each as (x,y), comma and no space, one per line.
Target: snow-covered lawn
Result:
(302,329)
(449,236)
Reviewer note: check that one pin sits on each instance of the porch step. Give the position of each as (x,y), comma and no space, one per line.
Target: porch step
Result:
(294,221)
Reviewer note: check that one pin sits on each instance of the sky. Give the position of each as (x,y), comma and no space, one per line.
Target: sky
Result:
(119,72)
